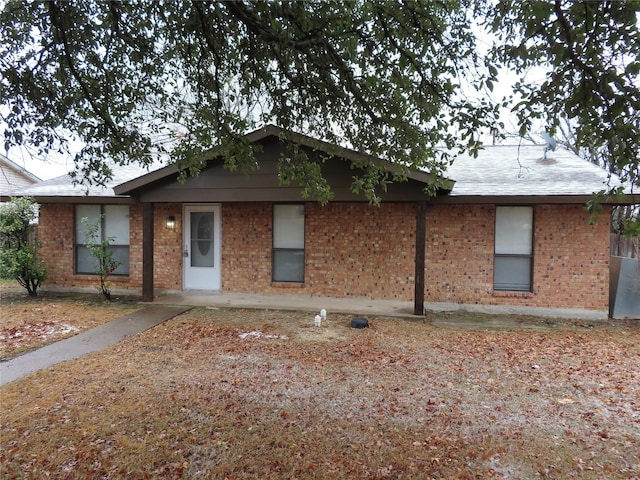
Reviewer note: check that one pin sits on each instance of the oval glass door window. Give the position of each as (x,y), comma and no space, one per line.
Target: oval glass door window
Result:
(202,251)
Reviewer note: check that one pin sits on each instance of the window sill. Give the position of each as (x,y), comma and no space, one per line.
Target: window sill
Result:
(511,294)
(287,285)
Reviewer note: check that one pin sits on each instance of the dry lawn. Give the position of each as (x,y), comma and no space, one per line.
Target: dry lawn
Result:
(28,323)
(245,394)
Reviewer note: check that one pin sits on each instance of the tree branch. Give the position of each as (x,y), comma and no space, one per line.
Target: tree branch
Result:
(263,31)
(54,12)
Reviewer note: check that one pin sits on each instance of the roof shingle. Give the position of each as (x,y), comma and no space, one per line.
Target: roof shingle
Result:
(512,170)
(498,171)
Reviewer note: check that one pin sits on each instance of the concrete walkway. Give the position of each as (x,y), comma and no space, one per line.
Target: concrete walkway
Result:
(88,341)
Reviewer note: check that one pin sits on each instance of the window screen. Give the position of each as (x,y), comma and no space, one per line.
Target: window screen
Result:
(288,243)
(513,249)
(113,225)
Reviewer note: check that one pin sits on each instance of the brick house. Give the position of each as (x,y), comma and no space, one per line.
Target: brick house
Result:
(512,230)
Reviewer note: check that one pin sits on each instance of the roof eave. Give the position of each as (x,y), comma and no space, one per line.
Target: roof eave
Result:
(83,199)
(19,170)
(629,199)
(146,179)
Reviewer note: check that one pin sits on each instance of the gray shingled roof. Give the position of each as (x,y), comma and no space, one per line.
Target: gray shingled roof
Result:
(63,186)
(499,170)
(512,170)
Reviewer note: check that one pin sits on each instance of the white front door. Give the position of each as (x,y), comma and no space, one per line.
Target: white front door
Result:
(201,247)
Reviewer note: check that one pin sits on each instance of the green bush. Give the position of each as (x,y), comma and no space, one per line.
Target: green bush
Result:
(99,248)
(18,247)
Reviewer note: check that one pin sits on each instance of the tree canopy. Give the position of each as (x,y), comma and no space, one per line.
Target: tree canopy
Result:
(18,247)
(589,52)
(400,80)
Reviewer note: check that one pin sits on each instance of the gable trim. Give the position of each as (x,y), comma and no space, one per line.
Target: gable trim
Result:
(272,131)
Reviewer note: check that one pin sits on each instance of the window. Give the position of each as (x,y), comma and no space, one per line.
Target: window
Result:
(113,225)
(513,249)
(288,243)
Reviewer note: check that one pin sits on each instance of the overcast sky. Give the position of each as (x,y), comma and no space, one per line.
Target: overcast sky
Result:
(44,168)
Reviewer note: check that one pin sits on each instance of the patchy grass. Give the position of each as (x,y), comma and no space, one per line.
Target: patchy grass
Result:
(27,323)
(195,398)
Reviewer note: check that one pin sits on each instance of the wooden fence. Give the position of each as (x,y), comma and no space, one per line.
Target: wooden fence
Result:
(625,247)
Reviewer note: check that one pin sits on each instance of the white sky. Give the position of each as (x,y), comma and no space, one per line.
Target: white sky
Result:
(43,167)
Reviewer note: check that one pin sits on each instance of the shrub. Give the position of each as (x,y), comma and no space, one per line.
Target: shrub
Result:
(18,247)
(106,262)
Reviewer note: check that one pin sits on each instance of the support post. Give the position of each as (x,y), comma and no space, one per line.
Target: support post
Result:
(421,229)
(147,252)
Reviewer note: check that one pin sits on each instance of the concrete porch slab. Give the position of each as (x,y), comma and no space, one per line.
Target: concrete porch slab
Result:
(305,303)
(356,306)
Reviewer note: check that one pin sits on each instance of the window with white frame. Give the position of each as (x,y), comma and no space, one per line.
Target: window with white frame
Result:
(513,258)
(113,225)
(288,243)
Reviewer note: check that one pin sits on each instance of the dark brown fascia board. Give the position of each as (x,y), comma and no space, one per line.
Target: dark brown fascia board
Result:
(627,199)
(304,140)
(146,179)
(437,200)
(530,200)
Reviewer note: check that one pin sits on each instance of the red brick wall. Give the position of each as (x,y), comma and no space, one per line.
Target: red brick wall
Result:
(350,250)
(134,280)
(360,250)
(571,258)
(57,234)
(246,247)
(363,251)
(167,250)
(459,253)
